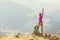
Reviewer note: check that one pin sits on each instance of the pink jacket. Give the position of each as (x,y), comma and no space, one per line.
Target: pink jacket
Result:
(41,17)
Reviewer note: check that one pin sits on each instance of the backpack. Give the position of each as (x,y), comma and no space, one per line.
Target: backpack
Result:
(36,29)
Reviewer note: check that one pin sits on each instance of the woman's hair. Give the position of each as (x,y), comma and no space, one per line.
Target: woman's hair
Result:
(39,13)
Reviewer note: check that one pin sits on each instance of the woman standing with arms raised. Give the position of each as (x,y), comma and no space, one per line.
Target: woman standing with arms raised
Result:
(40,23)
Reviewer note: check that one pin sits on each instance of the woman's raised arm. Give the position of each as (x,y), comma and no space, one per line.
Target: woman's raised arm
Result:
(42,12)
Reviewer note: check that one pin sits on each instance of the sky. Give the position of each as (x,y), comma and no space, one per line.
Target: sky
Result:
(22,15)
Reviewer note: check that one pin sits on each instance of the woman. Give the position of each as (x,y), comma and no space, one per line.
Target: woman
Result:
(40,23)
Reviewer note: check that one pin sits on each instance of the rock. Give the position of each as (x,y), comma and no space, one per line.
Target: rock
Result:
(31,39)
(45,36)
(54,38)
(17,35)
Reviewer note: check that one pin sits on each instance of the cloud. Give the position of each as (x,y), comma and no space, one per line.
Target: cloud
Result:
(46,22)
(36,4)
(18,14)
(13,17)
